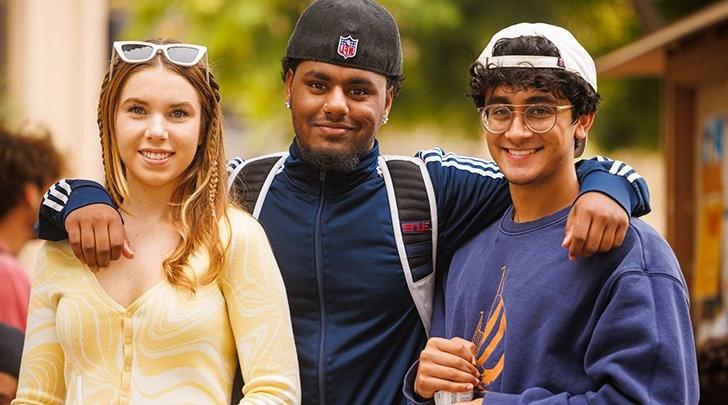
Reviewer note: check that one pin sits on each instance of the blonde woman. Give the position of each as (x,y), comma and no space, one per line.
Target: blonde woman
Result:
(202,292)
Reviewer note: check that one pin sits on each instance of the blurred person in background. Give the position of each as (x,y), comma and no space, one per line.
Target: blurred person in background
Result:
(29,164)
(11,348)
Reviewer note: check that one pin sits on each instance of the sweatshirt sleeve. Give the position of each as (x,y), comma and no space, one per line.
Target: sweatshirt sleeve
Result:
(63,198)
(42,368)
(258,309)
(652,360)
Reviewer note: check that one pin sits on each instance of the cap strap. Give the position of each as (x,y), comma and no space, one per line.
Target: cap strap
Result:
(527,61)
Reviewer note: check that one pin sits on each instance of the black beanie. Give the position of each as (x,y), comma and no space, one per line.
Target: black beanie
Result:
(11,349)
(353,33)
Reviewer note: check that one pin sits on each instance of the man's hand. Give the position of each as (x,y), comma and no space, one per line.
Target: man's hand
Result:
(596,223)
(446,365)
(97,235)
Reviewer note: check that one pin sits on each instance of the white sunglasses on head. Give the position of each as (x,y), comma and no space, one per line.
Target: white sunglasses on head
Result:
(139,51)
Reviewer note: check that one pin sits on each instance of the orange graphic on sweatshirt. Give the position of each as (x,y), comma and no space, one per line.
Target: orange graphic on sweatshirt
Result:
(489,338)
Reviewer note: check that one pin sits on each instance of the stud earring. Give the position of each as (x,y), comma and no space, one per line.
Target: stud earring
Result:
(287,104)
(384,120)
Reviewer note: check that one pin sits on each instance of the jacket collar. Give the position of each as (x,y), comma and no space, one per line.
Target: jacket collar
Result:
(308,177)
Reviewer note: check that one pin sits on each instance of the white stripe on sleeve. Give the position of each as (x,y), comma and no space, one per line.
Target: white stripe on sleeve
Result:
(53,205)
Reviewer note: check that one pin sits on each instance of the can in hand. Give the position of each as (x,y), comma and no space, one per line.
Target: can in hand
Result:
(449,398)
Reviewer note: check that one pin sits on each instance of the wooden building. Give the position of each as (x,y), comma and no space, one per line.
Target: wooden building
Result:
(691,58)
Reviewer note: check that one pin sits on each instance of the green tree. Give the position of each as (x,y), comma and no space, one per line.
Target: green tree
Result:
(440,38)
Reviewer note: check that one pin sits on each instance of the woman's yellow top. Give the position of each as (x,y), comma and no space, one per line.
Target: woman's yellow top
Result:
(168,346)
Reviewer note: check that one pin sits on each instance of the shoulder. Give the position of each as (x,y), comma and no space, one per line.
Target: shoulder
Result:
(646,252)
(243,227)
(58,252)
(54,259)
(437,159)
(236,164)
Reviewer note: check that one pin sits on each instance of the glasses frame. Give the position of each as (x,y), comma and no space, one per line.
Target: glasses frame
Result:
(484,120)
(156,48)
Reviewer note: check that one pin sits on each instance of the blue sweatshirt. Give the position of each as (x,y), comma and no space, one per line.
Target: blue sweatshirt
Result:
(612,328)
(356,326)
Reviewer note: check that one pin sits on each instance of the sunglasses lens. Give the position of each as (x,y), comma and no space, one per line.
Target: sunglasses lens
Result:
(137,51)
(182,54)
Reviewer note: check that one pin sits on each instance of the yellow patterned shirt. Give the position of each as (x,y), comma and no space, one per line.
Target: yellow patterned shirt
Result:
(168,346)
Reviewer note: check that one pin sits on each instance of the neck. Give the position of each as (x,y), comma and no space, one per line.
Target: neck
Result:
(15,230)
(148,202)
(534,201)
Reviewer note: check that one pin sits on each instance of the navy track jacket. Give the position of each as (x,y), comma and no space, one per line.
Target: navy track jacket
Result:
(356,326)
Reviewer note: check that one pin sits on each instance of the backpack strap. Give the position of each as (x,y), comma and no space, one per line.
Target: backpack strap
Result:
(414,218)
(250,180)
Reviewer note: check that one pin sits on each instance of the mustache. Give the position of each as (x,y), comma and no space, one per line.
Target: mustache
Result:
(328,122)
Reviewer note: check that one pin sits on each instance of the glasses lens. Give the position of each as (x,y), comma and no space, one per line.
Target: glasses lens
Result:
(182,54)
(540,118)
(497,118)
(137,52)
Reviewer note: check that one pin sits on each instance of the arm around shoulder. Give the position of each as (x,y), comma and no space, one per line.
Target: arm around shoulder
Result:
(258,309)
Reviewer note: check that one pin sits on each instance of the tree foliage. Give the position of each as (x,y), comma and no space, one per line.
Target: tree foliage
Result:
(441,38)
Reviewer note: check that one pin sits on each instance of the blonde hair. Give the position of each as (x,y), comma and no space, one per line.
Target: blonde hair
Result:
(199,202)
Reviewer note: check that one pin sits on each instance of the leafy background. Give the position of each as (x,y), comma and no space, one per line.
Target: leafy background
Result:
(440,38)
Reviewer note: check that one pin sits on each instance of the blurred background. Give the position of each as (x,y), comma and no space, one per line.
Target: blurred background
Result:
(662,75)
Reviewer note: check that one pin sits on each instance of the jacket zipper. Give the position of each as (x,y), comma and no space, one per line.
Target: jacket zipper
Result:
(319,284)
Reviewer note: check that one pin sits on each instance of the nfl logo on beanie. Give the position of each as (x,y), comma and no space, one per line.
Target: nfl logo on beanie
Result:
(347,47)
(353,33)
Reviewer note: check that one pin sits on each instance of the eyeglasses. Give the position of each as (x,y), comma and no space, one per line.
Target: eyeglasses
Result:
(179,54)
(539,118)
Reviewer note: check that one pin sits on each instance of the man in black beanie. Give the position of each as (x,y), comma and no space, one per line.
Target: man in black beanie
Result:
(11,348)
(360,298)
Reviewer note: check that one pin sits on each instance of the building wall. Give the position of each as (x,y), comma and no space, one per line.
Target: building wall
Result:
(696,96)
(56,53)
(55,56)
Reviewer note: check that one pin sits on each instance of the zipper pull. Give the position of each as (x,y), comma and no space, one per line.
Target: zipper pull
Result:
(322,175)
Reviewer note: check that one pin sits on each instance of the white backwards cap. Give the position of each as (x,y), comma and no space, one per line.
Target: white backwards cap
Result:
(574,58)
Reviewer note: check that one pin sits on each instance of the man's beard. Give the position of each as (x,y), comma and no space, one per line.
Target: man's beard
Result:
(332,160)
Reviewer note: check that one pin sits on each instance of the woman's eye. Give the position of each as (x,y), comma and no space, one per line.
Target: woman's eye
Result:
(136,110)
(317,86)
(179,114)
(358,92)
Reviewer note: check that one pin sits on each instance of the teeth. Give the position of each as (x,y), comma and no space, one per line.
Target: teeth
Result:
(156,155)
(521,152)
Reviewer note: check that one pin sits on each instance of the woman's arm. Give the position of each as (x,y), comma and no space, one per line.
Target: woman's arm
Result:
(41,371)
(258,309)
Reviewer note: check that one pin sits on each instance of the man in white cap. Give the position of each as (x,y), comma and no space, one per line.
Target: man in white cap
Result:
(528,324)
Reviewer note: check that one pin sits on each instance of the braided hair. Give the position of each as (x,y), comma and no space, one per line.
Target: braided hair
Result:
(198,207)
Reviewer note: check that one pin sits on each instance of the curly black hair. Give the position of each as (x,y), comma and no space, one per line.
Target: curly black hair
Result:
(27,156)
(288,63)
(559,82)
